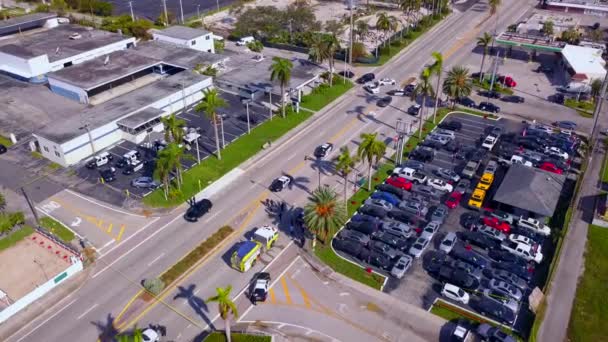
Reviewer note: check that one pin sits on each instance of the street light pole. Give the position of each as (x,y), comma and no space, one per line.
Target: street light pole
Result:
(248,124)
(198,153)
(596,112)
(181,9)
(218,5)
(166,13)
(131,6)
(198,12)
(222,127)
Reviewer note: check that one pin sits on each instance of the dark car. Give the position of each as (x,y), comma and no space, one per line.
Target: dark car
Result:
(409,89)
(258,288)
(478,239)
(392,190)
(197,209)
(391,240)
(373,211)
(565,124)
(452,146)
(132,168)
(253,119)
(467,102)
(108,175)
(2,149)
(452,125)
(502,255)
(557,98)
(469,220)
(384,102)
(544,68)
(433,261)
(414,109)
(366,78)
(457,277)
(493,308)
(375,259)
(493,334)
(347,74)
(422,155)
(280,183)
(323,150)
(348,246)
(513,99)
(491,94)
(122,162)
(365,218)
(469,255)
(396,92)
(368,227)
(489,107)
(402,216)
(506,276)
(523,271)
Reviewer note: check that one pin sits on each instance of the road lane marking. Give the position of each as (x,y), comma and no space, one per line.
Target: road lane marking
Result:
(286,291)
(46,320)
(292,325)
(110,226)
(122,230)
(87,311)
(342,131)
(156,259)
(102,205)
(305,298)
(273,298)
(129,238)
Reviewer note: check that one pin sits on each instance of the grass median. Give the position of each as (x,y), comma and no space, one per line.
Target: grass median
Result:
(590,312)
(324,94)
(14,237)
(218,336)
(243,148)
(57,229)
(5,141)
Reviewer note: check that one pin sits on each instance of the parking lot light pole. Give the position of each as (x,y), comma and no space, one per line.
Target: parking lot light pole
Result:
(401,130)
(248,124)
(86,127)
(222,128)
(198,153)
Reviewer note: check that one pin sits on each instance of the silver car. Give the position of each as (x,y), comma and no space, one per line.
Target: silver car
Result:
(401,266)
(448,242)
(381,247)
(429,231)
(462,186)
(499,296)
(493,233)
(427,191)
(398,229)
(418,247)
(507,288)
(379,203)
(440,213)
(414,207)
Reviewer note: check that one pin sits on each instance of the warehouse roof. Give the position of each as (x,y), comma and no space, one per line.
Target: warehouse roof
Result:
(140,118)
(176,54)
(27,19)
(531,189)
(584,60)
(182,32)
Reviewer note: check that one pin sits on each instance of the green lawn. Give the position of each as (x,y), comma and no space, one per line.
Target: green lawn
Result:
(444,313)
(15,237)
(604,174)
(57,229)
(583,108)
(323,95)
(485,84)
(5,141)
(236,337)
(590,310)
(242,149)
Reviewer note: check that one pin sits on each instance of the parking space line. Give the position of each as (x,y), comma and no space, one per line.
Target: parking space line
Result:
(273,298)
(305,298)
(110,228)
(122,230)
(102,205)
(286,291)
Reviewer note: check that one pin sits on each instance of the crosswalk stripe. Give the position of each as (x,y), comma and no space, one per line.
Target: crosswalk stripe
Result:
(286,290)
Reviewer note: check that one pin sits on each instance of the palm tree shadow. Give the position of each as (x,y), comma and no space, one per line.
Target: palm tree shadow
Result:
(325,167)
(196,303)
(107,330)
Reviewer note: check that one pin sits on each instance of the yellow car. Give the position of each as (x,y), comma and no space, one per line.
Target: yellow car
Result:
(486,181)
(476,200)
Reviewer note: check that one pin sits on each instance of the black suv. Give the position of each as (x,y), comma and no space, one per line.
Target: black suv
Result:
(457,277)
(423,155)
(452,125)
(108,175)
(384,102)
(468,255)
(373,211)
(391,189)
(366,78)
(348,246)
(467,102)
(197,209)
(489,107)
(493,308)
(478,239)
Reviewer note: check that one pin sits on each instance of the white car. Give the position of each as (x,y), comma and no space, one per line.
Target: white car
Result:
(489,142)
(150,335)
(448,242)
(429,231)
(521,239)
(373,88)
(387,81)
(534,225)
(440,184)
(401,266)
(418,247)
(455,293)
(554,151)
(528,252)
(379,203)
(445,133)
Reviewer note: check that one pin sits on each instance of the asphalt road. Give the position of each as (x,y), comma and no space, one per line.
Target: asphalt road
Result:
(152,249)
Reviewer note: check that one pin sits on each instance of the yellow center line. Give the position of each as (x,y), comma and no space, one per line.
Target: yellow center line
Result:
(343,130)
(286,291)
(297,167)
(273,298)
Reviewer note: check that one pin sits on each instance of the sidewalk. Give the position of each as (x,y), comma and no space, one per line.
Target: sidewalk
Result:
(571,260)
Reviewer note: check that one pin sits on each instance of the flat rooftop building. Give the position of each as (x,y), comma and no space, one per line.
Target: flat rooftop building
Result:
(32,55)
(27,22)
(192,38)
(178,55)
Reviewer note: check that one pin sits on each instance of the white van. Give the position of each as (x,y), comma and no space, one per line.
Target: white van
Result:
(245,40)
(132,156)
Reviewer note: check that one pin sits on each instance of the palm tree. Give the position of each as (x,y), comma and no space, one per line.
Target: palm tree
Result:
(408,7)
(361,29)
(324,214)
(596,35)
(484,41)
(596,88)
(548,28)
(345,164)
(209,106)
(437,69)
(315,51)
(457,84)
(371,150)
(169,158)
(135,336)
(280,70)
(331,45)
(226,306)
(424,89)
(383,24)
(174,128)
(493,6)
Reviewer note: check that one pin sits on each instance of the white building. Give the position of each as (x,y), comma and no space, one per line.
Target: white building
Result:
(583,64)
(32,55)
(27,22)
(192,38)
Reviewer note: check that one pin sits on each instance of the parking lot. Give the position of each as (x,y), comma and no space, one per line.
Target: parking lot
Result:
(234,117)
(417,286)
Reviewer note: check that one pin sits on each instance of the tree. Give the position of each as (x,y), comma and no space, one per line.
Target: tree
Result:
(457,84)
(571,36)
(596,89)
(359,50)
(330,46)
(424,89)
(165,19)
(596,35)
(280,70)
(437,69)
(410,8)
(162,172)
(171,157)
(209,106)
(154,286)
(316,53)
(384,24)
(135,336)
(361,29)
(324,214)
(174,128)
(225,305)
(2,202)
(345,164)
(371,150)
(218,46)
(547,28)
(493,6)
(484,41)
(255,46)
(334,27)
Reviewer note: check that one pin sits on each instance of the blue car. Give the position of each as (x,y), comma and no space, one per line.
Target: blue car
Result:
(390,198)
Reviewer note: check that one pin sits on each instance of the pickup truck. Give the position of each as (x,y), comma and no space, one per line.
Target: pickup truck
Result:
(410,174)
(523,250)
(515,159)
(470,169)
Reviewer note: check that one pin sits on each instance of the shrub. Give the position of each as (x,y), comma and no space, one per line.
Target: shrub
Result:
(218,45)
(154,286)
(17,218)
(255,46)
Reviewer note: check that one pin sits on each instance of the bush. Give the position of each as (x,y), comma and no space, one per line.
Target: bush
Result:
(8,221)
(138,28)
(218,45)
(255,46)
(154,286)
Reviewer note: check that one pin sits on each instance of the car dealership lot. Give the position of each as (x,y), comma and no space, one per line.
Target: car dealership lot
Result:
(417,286)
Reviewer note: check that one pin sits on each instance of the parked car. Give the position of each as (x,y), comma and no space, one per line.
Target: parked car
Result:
(477,198)
(353,235)
(373,211)
(387,81)
(462,186)
(508,81)
(347,74)
(469,255)
(470,169)
(565,124)
(324,150)
(494,309)
(472,270)
(448,174)
(497,224)
(348,246)
(366,78)
(448,242)
(101,159)
(382,204)
(144,183)
(419,246)
(413,164)
(521,270)
(478,239)
(399,182)
(392,190)
(402,216)
(3,149)
(522,239)
(458,278)
(534,225)
(108,175)
(383,248)
(426,190)
(373,88)
(414,109)
(197,209)
(528,252)
(489,107)
(365,218)
(455,293)
(507,288)
(492,94)
(491,333)
(414,207)
(430,229)
(499,214)
(390,239)
(384,102)
(502,298)
(423,154)
(439,214)
(398,229)
(453,200)
(396,92)
(402,265)
(439,184)
(363,227)
(388,197)
(513,99)
(467,102)
(452,125)
(492,233)
(506,276)
(377,259)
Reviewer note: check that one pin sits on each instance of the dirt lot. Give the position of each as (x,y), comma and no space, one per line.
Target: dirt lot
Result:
(29,264)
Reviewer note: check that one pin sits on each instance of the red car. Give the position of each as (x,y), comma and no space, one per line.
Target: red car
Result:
(496,224)
(399,182)
(454,199)
(551,168)
(508,81)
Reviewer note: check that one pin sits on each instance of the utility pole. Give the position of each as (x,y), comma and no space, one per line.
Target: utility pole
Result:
(181,9)
(248,125)
(350,50)
(166,13)
(131,7)
(222,127)
(29,203)
(218,5)
(198,153)
(86,128)
(198,12)
(494,70)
